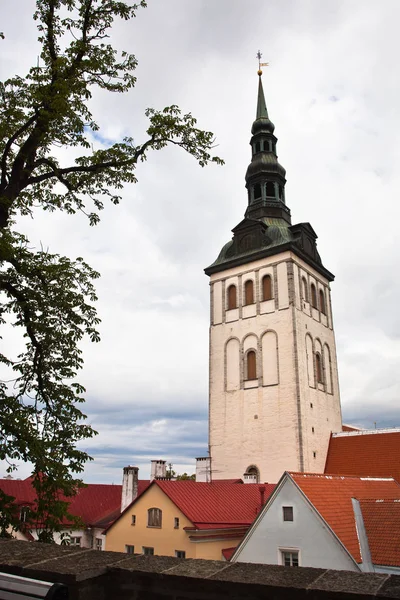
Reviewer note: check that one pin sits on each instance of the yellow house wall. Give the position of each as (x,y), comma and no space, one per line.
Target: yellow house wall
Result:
(165,540)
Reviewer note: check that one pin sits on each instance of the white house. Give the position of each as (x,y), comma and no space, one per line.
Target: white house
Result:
(327,521)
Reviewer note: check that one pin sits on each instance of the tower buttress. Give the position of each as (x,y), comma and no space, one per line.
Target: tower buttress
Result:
(274,390)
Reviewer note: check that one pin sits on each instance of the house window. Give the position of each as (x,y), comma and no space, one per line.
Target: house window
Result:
(99,544)
(305,289)
(251,365)
(133,522)
(249,292)
(314,296)
(267,287)
(322,302)
(232,301)
(147,551)
(318,363)
(129,549)
(176,523)
(24,514)
(180,553)
(154,517)
(287,513)
(75,541)
(290,558)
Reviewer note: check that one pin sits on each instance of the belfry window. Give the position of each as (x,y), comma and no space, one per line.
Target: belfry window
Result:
(249,292)
(314,296)
(322,307)
(318,364)
(270,189)
(266,146)
(305,289)
(258,147)
(232,301)
(257,191)
(267,287)
(251,365)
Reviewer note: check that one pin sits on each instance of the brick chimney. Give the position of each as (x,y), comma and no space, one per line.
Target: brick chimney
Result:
(129,486)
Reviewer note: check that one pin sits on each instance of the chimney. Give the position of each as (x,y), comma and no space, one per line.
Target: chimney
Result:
(129,486)
(262,493)
(158,469)
(203,469)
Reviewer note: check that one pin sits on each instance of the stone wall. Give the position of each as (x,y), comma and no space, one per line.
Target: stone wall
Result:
(92,575)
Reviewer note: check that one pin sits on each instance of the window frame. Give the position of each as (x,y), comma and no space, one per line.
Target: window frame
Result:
(248,289)
(314,299)
(319,369)
(99,544)
(176,522)
(179,552)
(229,298)
(293,553)
(151,518)
(266,296)
(148,550)
(129,549)
(250,351)
(305,289)
(75,541)
(133,520)
(287,512)
(322,301)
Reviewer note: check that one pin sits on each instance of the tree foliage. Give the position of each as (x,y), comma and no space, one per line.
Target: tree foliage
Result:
(48,297)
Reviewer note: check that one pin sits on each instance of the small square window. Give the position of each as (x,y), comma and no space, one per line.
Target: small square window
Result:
(176,523)
(290,558)
(147,551)
(180,553)
(287,513)
(130,549)
(133,522)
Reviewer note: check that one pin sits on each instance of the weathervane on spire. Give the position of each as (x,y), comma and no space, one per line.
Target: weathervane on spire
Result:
(260,64)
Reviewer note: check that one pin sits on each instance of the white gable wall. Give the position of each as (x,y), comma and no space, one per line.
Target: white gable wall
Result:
(307,534)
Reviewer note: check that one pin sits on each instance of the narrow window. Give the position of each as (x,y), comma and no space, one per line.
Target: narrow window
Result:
(176,523)
(24,514)
(180,553)
(322,302)
(147,551)
(314,296)
(270,189)
(280,192)
(290,559)
(267,287)
(232,302)
(154,517)
(133,522)
(312,429)
(257,191)
(314,454)
(311,404)
(287,513)
(258,147)
(318,362)
(305,289)
(129,549)
(266,146)
(249,292)
(99,544)
(251,365)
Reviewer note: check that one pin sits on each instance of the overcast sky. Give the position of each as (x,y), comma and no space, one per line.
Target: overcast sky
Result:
(332,90)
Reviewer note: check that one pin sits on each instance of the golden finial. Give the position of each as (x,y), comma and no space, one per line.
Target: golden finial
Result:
(260,64)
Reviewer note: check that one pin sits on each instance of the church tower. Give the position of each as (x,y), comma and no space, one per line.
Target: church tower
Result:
(274,390)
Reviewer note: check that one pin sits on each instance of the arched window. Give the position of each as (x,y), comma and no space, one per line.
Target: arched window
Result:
(270,189)
(322,307)
(154,517)
(254,472)
(249,292)
(257,191)
(266,146)
(305,289)
(251,365)
(258,146)
(267,287)
(232,302)
(314,296)
(318,363)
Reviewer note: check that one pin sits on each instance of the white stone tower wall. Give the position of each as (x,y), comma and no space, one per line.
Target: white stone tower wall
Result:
(267,422)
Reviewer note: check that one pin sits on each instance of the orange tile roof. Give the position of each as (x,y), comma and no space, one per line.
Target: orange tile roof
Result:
(382,525)
(217,502)
(366,453)
(331,495)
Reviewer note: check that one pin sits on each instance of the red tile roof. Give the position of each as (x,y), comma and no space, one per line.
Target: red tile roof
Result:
(382,525)
(217,502)
(365,453)
(331,495)
(349,428)
(227,553)
(94,503)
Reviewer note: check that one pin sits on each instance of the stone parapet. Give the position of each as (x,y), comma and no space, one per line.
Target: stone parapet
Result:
(93,575)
